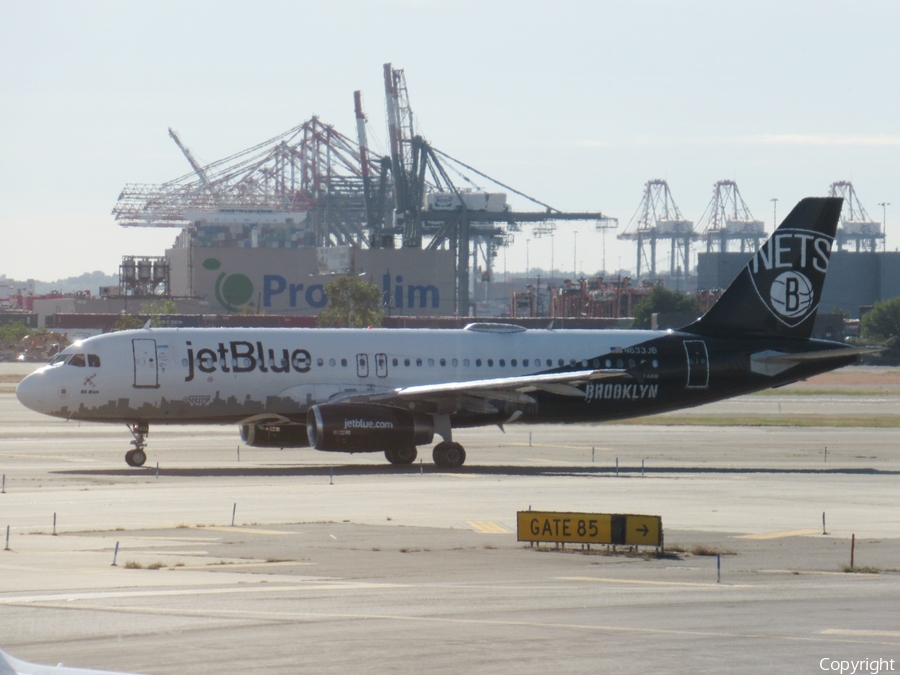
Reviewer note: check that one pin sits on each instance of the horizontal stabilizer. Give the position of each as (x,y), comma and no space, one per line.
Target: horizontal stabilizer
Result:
(821,355)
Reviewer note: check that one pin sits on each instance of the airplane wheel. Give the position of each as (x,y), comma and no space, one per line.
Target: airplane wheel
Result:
(135,457)
(405,454)
(449,455)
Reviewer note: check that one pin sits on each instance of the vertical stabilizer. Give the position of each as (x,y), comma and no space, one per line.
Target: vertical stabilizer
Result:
(779,290)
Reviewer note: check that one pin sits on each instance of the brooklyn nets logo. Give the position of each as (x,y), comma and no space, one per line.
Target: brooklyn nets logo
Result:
(788,272)
(791,294)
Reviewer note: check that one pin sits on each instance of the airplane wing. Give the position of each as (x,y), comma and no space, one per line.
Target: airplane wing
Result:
(820,355)
(13,666)
(515,389)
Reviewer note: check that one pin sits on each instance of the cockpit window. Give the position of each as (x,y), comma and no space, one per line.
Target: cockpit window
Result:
(59,360)
(77,360)
(93,361)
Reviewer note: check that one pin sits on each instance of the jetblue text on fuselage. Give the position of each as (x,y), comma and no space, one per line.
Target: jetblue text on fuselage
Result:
(239,356)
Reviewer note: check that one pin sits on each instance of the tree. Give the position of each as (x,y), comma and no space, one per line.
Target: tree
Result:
(158,308)
(352,303)
(663,300)
(12,333)
(882,322)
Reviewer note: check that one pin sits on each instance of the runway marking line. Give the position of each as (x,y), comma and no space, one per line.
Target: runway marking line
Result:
(542,625)
(487,527)
(642,582)
(779,535)
(873,633)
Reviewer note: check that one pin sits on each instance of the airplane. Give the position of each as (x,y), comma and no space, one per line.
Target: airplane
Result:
(390,390)
(14,666)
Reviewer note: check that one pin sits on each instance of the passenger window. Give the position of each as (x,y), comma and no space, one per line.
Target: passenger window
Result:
(93,361)
(320,362)
(631,363)
(77,360)
(396,362)
(655,363)
(525,362)
(561,362)
(513,363)
(478,362)
(608,363)
(537,362)
(584,364)
(595,363)
(490,363)
(466,363)
(620,363)
(406,362)
(572,362)
(430,363)
(418,362)
(332,363)
(443,362)
(453,363)
(502,363)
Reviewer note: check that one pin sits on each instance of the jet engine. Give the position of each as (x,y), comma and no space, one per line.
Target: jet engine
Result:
(360,427)
(283,436)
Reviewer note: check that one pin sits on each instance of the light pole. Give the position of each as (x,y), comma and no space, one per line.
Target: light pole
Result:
(774,201)
(574,257)
(527,261)
(884,206)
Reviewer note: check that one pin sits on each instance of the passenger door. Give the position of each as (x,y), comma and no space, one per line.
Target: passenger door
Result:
(697,364)
(146,373)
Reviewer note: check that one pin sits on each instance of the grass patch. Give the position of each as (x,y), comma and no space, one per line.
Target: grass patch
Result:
(702,549)
(156,566)
(278,560)
(490,547)
(877,421)
(133,565)
(619,551)
(409,550)
(860,570)
(827,392)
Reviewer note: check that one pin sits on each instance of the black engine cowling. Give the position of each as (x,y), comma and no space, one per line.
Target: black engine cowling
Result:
(285,436)
(352,427)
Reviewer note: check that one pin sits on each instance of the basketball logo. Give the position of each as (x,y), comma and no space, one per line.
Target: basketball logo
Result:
(791,294)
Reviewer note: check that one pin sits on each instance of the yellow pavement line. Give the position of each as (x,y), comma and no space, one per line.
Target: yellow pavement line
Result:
(487,527)
(650,583)
(779,535)
(243,530)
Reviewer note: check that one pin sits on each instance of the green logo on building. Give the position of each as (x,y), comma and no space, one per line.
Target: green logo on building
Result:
(232,290)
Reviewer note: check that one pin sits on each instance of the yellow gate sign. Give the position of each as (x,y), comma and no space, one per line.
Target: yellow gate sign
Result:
(589,528)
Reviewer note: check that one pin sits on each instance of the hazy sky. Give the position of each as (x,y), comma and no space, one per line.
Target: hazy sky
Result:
(576,103)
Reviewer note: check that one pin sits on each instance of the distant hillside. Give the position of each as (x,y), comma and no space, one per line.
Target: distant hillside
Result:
(89,281)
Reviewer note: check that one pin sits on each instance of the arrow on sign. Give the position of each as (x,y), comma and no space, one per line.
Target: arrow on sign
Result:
(643,530)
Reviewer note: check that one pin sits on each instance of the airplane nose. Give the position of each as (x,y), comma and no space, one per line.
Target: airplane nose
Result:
(30,391)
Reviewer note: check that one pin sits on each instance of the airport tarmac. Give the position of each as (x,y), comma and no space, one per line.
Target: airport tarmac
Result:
(340,563)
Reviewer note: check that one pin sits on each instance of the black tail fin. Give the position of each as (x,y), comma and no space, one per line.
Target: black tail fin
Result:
(777,293)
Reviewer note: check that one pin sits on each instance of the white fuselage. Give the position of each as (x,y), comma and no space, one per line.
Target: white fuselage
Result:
(229,374)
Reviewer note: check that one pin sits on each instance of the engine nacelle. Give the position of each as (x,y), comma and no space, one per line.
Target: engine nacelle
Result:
(284,436)
(360,427)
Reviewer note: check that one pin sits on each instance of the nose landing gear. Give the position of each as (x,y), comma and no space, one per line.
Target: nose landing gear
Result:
(137,456)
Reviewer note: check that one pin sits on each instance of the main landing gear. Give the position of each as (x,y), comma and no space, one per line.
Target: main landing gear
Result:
(403,455)
(137,457)
(449,455)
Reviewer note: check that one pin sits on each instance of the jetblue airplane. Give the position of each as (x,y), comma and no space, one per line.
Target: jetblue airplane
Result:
(382,390)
